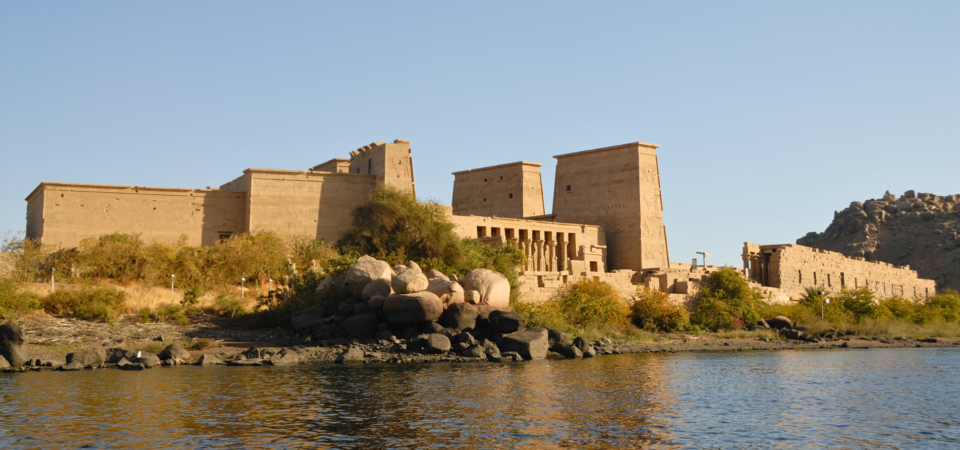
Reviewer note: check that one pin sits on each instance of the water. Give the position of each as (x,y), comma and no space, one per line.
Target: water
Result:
(886,398)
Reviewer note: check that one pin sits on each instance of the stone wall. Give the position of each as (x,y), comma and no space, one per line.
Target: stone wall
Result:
(617,188)
(538,287)
(336,165)
(508,190)
(305,203)
(63,214)
(795,267)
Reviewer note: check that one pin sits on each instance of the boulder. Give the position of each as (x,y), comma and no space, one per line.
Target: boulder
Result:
(433,343)
(360,308)
(432,327)
(15,355)
(450,292)
(408,332)
(365,270)
(286,357)
(305,319)
(123,362)
(434,273)
(209,359)
(11,333)
(531,343)
(174,351)
(494,288)
(72,366)
(363,326)
(3,363)
(416,308)
(471,296)
(558,337)
(491,349)
(475,351)
(409,282)
(461,316)
(779,322)
(115,354)
(376,287)
(376,302)
(569,350)
(344,309)
(464,338)
(511,356)
(90,357)
(581,343)
(763,324)
(325,285)
(147,359)
(414,267)
(506,321)
(353,355)
(590,352)
(385,335)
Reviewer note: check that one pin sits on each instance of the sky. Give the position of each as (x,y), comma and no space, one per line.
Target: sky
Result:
(770,115)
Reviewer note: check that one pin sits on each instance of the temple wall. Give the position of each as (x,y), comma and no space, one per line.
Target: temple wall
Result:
(305,203)
(63,214)
(508,190)
(795,267)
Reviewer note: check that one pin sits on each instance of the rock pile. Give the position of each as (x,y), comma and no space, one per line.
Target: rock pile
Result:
(919,230)
(430,313)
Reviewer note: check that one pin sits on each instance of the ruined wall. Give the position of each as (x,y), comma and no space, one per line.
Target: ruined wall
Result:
(390,163)
(508,190)
(617,188)
(795,267)
(306,203)
(63,214)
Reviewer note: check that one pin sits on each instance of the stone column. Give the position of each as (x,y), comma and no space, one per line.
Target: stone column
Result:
(551,256)
(538,252)
(528,252)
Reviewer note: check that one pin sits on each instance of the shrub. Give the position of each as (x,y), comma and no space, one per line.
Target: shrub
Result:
(191,296)
(100,304)
(946,306)
(15,300)
(859,303)
(591,303)
(227,305)
(652,310)
(726,302)
(395,227)
(197,345)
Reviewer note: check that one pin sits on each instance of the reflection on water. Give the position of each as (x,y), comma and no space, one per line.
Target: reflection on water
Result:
(790,399)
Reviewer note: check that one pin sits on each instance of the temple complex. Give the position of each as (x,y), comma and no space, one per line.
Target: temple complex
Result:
(606,221)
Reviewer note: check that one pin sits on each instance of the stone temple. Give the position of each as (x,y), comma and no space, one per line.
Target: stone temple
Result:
(606,221)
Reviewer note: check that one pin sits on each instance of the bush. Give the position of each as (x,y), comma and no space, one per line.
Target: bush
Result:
(227,305)
(859,303)
(15,300)
(591,303)
(652,310)
(945,306)
(395,227)
(198,345)
(100,304)
(726,302)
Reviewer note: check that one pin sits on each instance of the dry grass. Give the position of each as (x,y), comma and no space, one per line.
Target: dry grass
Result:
(888,328)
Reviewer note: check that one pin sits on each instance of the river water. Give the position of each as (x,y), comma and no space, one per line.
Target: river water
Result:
(886,398)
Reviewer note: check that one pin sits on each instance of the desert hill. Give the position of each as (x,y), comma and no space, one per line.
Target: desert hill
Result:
(919,230)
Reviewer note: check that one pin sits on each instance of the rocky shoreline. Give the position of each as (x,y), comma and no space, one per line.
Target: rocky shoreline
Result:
(426,348)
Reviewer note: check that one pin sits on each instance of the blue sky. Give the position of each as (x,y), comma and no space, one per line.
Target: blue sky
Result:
(770,115)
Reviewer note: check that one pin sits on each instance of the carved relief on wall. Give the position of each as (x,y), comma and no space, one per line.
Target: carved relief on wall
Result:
(398,167)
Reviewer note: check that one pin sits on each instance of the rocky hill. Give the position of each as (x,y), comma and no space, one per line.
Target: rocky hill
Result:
(919,230)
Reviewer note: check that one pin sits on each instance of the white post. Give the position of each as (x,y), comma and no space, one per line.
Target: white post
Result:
(270,285)
(171,284)
(241,287)
(52,286)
